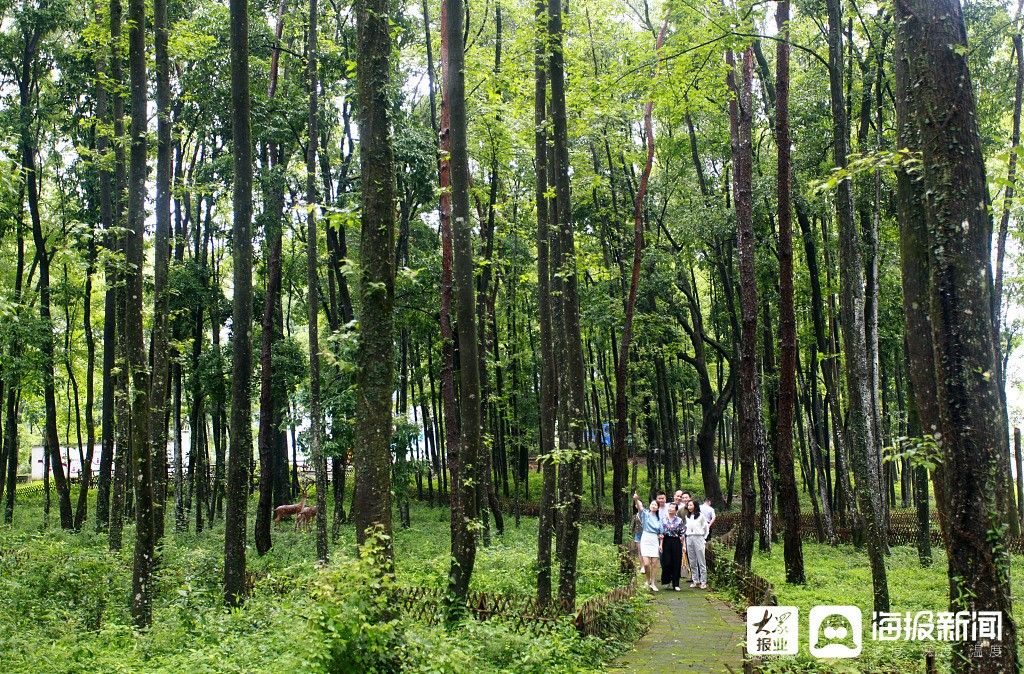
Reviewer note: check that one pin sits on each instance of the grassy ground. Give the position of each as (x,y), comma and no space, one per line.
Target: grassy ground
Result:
(65,600)
(841,576)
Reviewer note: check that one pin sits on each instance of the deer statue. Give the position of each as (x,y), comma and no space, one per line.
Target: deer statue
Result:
(282,511)
(305,516)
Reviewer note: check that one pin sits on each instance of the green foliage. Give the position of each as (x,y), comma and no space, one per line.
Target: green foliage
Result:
(923,452)
(66,597)
(291,367)
(841,576)
(358,632)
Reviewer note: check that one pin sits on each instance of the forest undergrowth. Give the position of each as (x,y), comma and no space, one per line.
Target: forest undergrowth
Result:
(66,610)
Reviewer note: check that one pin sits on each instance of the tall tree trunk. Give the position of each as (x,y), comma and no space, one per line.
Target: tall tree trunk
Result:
(972,414)
(103,146)
(916,284)
(142,576)
(861,427)
(620,497)
(319,460)
(27,82)
(236,515)
(471,430)
(161,265)
(752,440)
(463,491)
(789,499)
(377,286)
(827,372)
(120,450)
(570,476)
(269,406)
(549,375)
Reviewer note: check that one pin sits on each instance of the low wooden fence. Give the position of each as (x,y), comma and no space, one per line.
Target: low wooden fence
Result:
(593,616)
(755,590)
(903,529)
(589,514)
(522,612)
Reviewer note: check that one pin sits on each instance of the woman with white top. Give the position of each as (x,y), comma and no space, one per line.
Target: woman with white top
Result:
(696,533)
(650,540)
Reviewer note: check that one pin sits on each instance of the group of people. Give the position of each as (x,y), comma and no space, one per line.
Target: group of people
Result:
(673,535)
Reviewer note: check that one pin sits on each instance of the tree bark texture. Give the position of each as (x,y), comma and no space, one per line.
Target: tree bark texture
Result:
(570,474)
(549,375)
(236,514)
(375,357)
(860,423)
(161,265)
(315,439)
(752,439)
(789,499)
(142,461)
(972,415)
(620,496)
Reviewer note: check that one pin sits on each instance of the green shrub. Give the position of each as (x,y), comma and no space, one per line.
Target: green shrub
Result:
(351,614)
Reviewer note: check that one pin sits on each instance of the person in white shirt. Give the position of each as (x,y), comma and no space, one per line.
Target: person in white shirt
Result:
(696,535)
(709,514)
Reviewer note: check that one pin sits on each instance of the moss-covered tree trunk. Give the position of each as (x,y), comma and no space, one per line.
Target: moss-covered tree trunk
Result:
(548,374)
(312,278)
(375,357)
(236,514)
(161,265)
(570,474)
(972,415)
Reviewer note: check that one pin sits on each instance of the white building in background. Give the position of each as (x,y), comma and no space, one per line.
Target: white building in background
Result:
(74,469)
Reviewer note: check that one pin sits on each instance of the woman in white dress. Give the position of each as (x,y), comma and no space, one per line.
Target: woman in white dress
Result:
(650,540)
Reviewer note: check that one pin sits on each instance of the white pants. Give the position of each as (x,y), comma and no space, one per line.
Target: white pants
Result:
(695,553)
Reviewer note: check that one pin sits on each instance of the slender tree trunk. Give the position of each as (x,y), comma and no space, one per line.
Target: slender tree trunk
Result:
(103,144)
(570,476)
(269,405)
(752,440)
(9,471)
(26,84)
(142,460)
(161,265)
(789,498)
(85,480)
(1020,473)
(620,497)
(1011,169)
(860,423)
(236,515)
(319,460)
(549,375)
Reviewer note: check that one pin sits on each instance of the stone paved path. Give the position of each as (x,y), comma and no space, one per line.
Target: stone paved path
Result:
(691,633)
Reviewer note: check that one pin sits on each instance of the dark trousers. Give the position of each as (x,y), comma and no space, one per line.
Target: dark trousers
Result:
(671,560)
